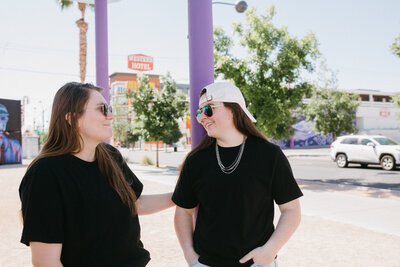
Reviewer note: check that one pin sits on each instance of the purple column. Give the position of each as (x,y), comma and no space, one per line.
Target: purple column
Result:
(201,58)
(102,47)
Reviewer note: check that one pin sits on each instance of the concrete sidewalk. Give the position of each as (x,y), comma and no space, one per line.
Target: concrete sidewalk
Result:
(341,225)
(359,206)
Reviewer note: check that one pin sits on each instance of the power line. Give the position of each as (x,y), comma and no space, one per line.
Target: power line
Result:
(19,47)
(44,72)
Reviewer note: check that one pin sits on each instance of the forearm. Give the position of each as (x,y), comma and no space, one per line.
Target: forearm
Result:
(148,204)
(287,225)
(184,231)
(46,255)
(47,264)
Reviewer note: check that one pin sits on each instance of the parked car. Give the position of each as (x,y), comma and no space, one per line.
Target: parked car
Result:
(365,150)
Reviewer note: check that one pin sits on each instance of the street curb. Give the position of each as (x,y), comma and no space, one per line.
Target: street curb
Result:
(306,155)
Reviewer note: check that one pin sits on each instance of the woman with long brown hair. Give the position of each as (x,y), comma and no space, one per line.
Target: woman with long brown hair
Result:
(234,176)
(80,200)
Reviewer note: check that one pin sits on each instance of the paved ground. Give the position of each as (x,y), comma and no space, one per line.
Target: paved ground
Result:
(170,158)
(307,164)
(323,169)
(341,225)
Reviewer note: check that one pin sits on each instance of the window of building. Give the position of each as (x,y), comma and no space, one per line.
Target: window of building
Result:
(364,98)
(118,89)
(382,98)
(122,100)
(121,90)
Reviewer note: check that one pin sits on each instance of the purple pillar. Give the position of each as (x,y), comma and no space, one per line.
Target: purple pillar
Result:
(201,58)
(102,47)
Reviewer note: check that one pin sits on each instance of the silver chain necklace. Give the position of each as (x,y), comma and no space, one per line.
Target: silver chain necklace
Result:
(232,168)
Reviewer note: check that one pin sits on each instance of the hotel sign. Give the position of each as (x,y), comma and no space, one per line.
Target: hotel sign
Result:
(140,62)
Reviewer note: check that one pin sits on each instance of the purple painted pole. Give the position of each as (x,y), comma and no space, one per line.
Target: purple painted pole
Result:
(102,47)
(201,58)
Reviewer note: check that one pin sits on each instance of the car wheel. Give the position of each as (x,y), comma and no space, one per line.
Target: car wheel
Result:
(363,165)
(341,160)
(387,163)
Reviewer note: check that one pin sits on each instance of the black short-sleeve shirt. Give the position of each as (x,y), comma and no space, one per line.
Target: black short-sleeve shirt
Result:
(67,200)
(236,210)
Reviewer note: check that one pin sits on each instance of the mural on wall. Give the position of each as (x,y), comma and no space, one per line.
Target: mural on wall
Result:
(10,131)
(305,136)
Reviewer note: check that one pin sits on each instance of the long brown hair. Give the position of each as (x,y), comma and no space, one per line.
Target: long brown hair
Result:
(64,138)
(242,123)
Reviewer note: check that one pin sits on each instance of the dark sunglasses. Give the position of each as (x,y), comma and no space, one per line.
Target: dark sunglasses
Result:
(206,110)
(105,108)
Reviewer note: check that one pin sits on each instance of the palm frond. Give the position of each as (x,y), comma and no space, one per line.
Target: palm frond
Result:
(64,3)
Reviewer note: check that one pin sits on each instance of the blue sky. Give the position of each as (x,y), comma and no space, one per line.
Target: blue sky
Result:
(39,43)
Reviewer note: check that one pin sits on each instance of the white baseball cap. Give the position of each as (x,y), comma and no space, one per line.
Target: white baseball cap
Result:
(225,92)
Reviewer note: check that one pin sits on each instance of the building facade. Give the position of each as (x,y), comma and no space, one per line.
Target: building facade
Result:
(122,84)
(376,115)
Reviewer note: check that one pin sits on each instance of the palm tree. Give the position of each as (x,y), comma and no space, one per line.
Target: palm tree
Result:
(83,27)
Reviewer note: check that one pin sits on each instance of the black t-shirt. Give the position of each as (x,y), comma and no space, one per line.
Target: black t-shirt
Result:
(67,200)
(236,210)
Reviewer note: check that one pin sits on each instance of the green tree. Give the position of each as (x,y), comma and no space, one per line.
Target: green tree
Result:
(42,137)
(396,100)
(83,28)
(157,112)
(125,133)
(173,135)
(396,46)
(270,75)
(331,110)
(118,131)
(131,137)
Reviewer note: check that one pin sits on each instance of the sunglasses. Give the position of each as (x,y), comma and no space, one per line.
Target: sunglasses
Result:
(105,108)
(206,110)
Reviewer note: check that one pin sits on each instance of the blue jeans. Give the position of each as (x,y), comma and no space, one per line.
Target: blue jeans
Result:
(197,264)
(273,264)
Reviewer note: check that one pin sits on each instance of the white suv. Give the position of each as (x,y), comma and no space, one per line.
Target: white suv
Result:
(366,149)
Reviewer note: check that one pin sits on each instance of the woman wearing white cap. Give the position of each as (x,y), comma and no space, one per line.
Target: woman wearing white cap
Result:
(234,176)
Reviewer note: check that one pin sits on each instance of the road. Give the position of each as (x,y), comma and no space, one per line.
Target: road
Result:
(323,169)
(307,164)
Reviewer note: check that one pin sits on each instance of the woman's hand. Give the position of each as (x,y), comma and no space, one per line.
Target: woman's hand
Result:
(184,231)
(260,255)
(191,256)
(287,224)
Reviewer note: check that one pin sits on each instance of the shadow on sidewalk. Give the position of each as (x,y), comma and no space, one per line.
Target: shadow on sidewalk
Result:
(375,190)
(152,170)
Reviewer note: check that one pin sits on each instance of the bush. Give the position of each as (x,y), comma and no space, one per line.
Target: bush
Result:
(147,161)
(127,160)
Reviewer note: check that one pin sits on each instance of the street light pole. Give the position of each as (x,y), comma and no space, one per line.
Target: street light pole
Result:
(201,55)
(100,7)
(41,104)
(34,118)
(240,6)
(201,58)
